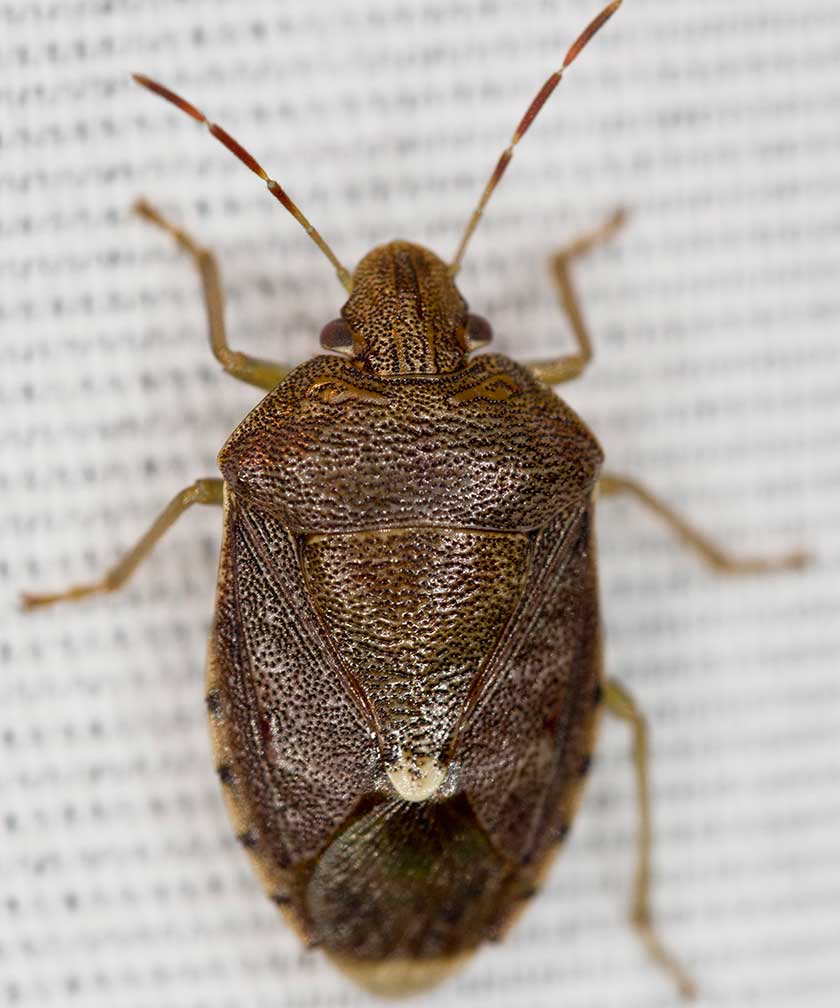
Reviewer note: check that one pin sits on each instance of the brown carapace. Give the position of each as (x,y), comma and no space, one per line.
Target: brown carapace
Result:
(405,663)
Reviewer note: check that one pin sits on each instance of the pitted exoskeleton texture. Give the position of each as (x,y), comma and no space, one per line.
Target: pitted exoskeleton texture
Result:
(414,614)
(420,453)
(405,312)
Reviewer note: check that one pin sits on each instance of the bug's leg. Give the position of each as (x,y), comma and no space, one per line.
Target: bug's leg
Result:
(621,705)
(203,491)
(562,369)
(714,555)
(264,374)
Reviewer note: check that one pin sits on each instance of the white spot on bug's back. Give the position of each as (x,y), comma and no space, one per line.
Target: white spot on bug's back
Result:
(415,778)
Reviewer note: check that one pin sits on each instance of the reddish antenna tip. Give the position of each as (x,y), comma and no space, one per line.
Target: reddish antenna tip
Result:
(170,96)
(595,25)
(531,113)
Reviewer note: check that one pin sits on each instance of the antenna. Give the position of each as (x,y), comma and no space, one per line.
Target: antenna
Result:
(233,145)
(541,98)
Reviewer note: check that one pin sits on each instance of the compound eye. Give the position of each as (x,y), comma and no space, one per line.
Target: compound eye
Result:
(478,333)
(338,336)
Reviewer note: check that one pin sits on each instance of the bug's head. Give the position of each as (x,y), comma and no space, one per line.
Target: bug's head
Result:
(405,316)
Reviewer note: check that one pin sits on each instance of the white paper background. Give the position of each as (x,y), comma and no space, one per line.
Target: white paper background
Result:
(716,380)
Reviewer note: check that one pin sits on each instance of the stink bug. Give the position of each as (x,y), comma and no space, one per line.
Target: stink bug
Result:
(405,674)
